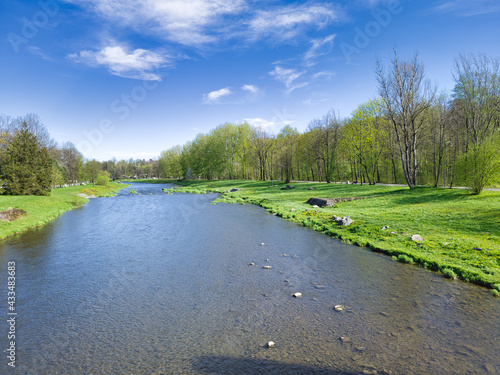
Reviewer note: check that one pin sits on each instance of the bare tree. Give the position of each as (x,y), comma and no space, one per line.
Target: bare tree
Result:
(263,144)
(477,90)
(327,133)
(406,97)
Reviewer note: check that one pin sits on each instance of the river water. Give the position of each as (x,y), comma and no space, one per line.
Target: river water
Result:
(151,283)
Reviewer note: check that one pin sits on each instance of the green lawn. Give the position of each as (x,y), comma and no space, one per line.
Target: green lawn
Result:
(461,231)
(41,210)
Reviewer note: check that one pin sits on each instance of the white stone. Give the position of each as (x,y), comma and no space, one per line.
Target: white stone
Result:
(267,267)
(297,295)
(416,238)
(271,344)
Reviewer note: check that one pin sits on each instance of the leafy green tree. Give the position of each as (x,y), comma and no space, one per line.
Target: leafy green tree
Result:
(480,166)
(170,162)
(26,165)
(92,169)
(102,178)
(363,137)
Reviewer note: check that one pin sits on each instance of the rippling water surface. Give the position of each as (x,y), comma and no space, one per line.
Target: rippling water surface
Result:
(161,284)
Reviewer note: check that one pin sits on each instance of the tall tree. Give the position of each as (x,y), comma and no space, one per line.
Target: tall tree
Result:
(477,89)
(406,97)
(26,165)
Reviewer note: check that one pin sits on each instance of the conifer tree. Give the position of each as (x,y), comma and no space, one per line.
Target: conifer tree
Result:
(26,165)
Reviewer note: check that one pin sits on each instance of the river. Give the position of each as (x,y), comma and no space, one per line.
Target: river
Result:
(150,283)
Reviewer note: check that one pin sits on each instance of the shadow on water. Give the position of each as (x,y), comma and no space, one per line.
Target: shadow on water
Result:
(231,365)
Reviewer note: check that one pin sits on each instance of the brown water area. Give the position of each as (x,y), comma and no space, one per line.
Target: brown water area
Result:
(151,283)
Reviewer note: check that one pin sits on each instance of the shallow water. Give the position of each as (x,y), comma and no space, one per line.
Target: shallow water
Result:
(161,284)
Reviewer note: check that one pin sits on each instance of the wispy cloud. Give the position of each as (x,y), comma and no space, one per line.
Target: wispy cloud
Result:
(287,22)
(269,125)
(320,47)
(325,74)
(38,52)
(123,62)
(288,77)
(186,22)
(465,8)
(214,96)
(250,88)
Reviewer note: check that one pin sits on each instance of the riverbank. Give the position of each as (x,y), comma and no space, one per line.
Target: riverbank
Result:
(461,232)
(41,210)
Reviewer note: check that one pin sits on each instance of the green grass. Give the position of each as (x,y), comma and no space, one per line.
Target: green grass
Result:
(461,231)
(41,210)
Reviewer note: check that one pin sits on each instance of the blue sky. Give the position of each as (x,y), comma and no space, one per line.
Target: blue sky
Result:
(130,78)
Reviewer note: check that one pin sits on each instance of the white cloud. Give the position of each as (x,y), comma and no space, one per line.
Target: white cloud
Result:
(288,77)
(214,96)
(183,21)
(287,22)
(38,52)
(270,125)
(466,8)
(326,74)
(123,62)
(320,47)
(250,88)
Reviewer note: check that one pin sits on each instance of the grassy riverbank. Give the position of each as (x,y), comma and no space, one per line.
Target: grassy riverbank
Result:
(41,210)
(461,232)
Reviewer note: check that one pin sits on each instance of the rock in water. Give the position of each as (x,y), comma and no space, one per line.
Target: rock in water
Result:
(267,267)
(297,295)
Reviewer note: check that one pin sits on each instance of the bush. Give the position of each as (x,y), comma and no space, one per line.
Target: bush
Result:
(480,166)
(102,179)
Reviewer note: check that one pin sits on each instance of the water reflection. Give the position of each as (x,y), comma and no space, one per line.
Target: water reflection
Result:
(162,284)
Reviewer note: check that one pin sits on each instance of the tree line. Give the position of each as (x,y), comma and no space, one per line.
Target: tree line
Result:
(31,162)
(410,134)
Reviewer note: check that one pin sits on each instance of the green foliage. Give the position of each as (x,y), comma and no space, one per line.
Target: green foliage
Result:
(449,273)
(480,167)
(26,166)
(403,258)
(102,178)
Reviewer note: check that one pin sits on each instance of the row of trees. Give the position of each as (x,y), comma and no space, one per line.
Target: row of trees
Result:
(31,162)
(409,134)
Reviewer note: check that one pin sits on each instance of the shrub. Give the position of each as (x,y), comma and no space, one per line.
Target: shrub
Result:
(102,179)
